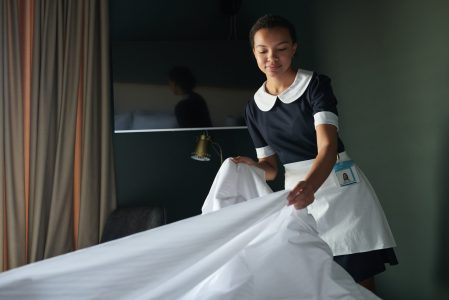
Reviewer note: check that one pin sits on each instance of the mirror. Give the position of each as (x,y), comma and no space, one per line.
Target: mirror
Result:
(150,38)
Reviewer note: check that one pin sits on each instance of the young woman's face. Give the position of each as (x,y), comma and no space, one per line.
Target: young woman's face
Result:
(274,50)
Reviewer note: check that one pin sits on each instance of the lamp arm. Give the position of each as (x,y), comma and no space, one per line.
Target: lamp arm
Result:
(217,148)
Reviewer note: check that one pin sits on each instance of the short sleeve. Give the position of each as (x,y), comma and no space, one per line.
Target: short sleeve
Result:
(262,147)
(323,101)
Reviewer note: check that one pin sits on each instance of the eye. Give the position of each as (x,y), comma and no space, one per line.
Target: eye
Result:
(282,49)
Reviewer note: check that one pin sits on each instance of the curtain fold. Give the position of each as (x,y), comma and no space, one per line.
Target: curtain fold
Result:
(56,164)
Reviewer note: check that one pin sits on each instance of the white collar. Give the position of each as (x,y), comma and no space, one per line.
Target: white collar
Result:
(265,101)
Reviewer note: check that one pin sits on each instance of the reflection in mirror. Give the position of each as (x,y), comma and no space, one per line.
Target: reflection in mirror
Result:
(192,110)
(145,98)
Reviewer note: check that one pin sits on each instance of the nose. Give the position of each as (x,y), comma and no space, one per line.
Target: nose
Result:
(273,56)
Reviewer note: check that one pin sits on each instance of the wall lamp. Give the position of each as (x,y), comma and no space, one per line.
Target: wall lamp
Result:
(202,145)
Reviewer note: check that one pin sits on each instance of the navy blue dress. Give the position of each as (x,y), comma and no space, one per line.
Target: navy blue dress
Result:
(285,125)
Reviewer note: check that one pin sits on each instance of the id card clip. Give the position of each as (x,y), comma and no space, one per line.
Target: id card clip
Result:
(346,172)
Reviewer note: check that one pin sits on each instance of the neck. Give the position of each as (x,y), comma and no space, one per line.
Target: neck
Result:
(278,84)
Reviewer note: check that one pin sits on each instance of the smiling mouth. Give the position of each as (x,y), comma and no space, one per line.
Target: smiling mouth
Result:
(273,68)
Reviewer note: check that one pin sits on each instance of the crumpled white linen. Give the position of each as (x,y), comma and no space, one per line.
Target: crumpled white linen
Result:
(235,183)
(255,249)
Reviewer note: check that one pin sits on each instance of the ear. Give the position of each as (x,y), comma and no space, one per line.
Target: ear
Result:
(295,46)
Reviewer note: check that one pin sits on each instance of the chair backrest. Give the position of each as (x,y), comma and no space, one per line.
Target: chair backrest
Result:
(129,220)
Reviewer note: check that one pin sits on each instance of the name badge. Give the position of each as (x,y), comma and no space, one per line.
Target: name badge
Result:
(346,172)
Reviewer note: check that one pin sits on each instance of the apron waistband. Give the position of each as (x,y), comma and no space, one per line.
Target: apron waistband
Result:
(301,168)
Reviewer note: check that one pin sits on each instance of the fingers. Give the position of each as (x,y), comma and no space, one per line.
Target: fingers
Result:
(302,203)
(301,196)
(299,189)
(235,159)
(243,160)
(302,200)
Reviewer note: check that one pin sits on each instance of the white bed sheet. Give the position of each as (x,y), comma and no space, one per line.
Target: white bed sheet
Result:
(255,249)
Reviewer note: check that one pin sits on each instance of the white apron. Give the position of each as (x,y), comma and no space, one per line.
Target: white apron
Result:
(349,218)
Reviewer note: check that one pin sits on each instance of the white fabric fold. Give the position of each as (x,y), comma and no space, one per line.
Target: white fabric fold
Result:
(255,249)
(349,218)
(235,183)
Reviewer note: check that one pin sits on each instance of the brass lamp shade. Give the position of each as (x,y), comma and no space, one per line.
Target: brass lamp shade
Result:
(200,152)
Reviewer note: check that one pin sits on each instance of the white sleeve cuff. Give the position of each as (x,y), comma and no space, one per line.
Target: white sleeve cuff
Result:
(325,117)
(264,152)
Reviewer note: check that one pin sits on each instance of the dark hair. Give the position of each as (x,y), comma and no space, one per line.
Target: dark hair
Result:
(183,77)
(272,21)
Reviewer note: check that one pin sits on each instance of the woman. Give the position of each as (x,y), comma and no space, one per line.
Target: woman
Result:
(293,118)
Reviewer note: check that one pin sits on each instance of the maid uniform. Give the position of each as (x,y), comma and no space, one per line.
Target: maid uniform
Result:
(349,216)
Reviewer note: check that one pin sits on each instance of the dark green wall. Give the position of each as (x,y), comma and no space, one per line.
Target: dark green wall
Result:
(156,168)
(389,64)
(389,61)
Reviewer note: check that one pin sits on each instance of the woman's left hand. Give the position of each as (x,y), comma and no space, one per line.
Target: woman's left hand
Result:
(244,160)
(301,196)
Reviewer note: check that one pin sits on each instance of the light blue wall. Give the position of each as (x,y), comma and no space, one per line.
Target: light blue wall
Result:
(389,61)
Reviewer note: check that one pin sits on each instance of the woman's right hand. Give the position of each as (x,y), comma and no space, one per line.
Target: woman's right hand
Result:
(244,160)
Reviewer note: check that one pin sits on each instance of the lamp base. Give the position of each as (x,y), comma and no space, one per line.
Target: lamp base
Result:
(200,158)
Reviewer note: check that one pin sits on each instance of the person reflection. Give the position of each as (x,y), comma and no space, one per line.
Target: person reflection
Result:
(192,110)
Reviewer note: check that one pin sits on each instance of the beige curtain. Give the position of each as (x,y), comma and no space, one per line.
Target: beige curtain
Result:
(56,166)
